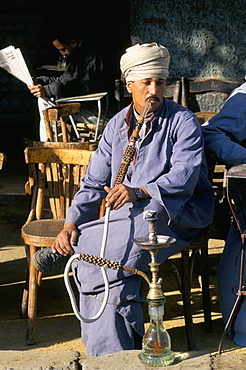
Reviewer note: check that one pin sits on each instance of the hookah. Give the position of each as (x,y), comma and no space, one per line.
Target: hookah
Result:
(156,342)
(156,349)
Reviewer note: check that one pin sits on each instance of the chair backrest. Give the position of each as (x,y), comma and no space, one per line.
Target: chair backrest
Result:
(204,116)
(208,95)
(124,97)
(55,173)
(58,128)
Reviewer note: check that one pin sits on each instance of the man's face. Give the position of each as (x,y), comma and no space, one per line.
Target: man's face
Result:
(65,49)
(151,89)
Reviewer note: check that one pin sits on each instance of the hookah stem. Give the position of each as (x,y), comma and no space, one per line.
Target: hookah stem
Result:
(130,150)
(129,153)
(158,333)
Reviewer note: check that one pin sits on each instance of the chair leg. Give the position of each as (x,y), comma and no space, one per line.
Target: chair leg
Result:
(205,290)
(175,272)
(186,289)
(24,301)
(32,299)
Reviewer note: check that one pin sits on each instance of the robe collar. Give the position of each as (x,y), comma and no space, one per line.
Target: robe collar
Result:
(130,118)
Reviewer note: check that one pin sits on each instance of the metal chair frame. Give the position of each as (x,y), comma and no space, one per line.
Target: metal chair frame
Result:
(237,172)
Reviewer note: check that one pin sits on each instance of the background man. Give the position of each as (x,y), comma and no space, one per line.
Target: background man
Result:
(84,74)
(225,140)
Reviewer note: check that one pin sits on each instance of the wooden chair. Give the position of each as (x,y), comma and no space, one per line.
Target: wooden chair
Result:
(55,171)
(3,159)
(124,97)
(58,128)
(192,90)
(197,250)
(87,130)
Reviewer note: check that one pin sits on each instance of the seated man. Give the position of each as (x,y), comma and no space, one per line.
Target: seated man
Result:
(168,175)
(225,138)
(83,75)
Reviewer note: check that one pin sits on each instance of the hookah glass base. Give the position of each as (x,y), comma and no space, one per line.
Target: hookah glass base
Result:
(156,341)
(156,347)
(156,361)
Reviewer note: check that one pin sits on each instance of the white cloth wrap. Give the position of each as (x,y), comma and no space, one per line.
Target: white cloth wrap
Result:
(145,61)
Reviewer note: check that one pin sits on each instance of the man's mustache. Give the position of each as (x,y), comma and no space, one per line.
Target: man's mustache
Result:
(153,97)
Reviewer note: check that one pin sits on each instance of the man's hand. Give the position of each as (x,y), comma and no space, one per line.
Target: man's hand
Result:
(37,90)
(66,239)
(119,195)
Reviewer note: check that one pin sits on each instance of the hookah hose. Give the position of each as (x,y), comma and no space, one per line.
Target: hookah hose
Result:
(101,261)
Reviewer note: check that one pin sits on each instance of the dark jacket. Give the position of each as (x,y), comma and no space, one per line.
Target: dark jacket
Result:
(84,75)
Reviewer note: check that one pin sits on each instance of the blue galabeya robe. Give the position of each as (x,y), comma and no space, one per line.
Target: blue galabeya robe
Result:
(170,164)
(225,140)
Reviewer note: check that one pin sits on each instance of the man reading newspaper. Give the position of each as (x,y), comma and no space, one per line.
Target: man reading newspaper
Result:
(83,75)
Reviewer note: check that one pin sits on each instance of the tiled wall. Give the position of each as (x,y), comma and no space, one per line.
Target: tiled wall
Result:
(205,38)
(23,32)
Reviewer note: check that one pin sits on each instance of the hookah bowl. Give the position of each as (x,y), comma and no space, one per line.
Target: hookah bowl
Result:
(156,348)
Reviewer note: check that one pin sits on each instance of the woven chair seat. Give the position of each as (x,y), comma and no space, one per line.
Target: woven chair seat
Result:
(44,231)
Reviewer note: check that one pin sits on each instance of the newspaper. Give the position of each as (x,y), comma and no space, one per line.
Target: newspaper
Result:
(12,61)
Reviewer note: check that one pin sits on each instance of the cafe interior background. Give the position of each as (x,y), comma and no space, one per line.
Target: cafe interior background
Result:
(205,38)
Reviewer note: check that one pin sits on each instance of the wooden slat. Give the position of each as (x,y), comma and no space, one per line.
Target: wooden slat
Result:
(56,186)
(204,116)
(32,179)
(47,126)
(70,145)
(58,155)
(53,125)
(76,179)
(63,110)
(68,184)
(40,194)
(62,200)
(51,191)
(173,92)
(32,213)
(64,130)
(212,85)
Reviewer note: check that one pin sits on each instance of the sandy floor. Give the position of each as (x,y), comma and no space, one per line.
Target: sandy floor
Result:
(58,328)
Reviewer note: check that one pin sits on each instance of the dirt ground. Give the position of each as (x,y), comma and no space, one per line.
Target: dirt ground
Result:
(57,326)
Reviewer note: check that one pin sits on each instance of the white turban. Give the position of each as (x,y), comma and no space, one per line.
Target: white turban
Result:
(145,61)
